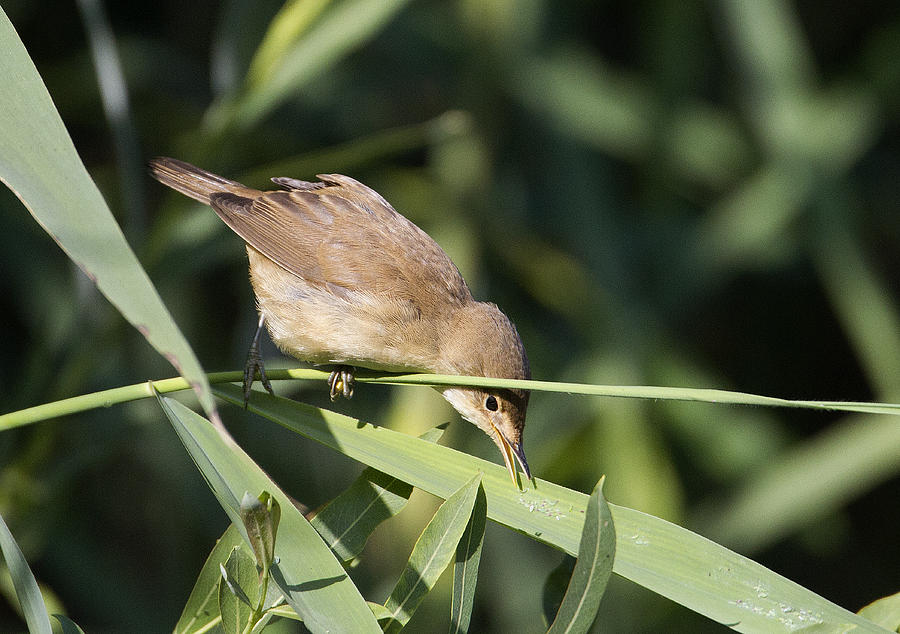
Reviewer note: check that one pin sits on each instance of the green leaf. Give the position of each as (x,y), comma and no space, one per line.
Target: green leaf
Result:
(261,624)
(347,521)
(260,516)
(201,612)
(67,625)
(381,613)
(238,591)
(555,588)
(664,558)
(803,482)
(297,50)
(432,553)
(202,607)
(465,566)
(286,28)
(596,553)
(885,612)
(312,580)
(26,586)
(38,162)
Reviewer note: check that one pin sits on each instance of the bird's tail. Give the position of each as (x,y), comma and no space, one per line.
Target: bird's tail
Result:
(190,180)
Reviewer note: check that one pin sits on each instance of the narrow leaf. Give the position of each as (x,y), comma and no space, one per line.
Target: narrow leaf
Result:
(885,612)
(288,26)
(38,162)
(432,553)
(261,624)
(555,588)
(260,516)
(202,607)
(26,586)
(592,569)
(312,580)
(658,555)
(240,578)
(341,28)
(381,613)
(465,566)
(238,591)
(347,521)
(67,625)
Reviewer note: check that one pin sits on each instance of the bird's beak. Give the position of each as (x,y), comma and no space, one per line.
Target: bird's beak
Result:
(512,453)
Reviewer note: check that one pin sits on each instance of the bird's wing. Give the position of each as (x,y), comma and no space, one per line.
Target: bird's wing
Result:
(342,235)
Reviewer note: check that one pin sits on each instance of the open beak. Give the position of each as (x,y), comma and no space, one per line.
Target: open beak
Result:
(512,453)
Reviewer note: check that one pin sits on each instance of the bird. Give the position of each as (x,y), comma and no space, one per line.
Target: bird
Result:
(342,279)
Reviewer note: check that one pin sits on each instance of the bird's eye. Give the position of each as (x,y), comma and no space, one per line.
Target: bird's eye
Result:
(491,403)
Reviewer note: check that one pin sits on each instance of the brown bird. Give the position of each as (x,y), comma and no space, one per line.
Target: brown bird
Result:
(341,278)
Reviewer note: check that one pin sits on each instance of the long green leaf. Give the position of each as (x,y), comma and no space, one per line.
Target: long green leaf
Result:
(465,566)
(592,569)
(667,559)
(38,162)
(885,612)
(238,591)
(26,586)
(347,521)
(282,68)
(807,481)
(288,25)
(201,611)
(312,580)
(67,625)
(432,553)
(555,586)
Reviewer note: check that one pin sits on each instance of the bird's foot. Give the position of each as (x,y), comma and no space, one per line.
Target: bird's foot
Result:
(340,382)
(255,366)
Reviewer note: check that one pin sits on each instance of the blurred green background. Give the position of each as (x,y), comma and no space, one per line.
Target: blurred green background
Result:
(671,192)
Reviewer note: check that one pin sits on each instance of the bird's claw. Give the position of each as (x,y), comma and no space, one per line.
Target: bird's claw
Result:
(340,382)
(253,367)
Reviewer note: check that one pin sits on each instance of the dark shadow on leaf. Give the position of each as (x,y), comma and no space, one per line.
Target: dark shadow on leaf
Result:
(278,577)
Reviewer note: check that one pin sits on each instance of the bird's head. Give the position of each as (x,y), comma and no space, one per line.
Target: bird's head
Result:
(501,415)
(482,341)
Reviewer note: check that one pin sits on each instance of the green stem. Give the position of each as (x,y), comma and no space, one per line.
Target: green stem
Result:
(107,398)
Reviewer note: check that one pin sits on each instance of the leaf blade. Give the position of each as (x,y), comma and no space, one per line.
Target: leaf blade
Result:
(465,566)
(27,591)
(594,565)
(315,584)
(348,520)
(238,590)
(39,163)
(201,610)
(667,559)
(285,67)
(432,553)
(884,611)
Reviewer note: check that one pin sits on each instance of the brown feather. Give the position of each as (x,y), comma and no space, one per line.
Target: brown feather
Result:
(346,235)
